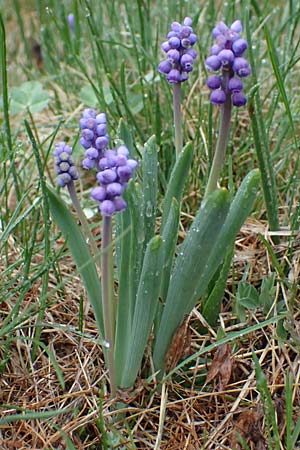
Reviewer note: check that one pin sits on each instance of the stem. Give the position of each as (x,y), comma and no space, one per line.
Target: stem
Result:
(219,156)
(177,117)
(84,222)
(107,298)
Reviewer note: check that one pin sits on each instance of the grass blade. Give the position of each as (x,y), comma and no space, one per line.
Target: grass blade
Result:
(268,406)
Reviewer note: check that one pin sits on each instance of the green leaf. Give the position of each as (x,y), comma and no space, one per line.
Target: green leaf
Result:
(272,431)
(190,264)
(131,254)
(33,415)
(267,292)
(177,181)
(125,135)
(216,295)
(149,167)
(88,97)
(247,295)
(80,252)
(29,96)
(146,305)
(169,236)
(240,209)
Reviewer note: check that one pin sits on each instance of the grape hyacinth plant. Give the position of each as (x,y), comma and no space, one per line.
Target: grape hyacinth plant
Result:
(145,278)
(180,57)
(226,56)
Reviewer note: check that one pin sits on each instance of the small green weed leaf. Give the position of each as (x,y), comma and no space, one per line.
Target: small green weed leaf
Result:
(267,292)
(88,97)
(80,252)
(30,96)
(247,296)
(136,103)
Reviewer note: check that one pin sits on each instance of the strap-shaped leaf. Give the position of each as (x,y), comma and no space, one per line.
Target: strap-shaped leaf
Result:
(177,181)
(149,167)
(130,249)
(146,304)
(214,299)
(190,263)
(240,209)
(80,252)
(169,235)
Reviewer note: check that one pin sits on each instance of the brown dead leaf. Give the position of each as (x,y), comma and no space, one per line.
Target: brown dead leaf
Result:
(221,366)
(180,345)
(248,426)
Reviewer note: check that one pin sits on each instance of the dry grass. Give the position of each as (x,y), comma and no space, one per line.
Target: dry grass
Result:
(186,414)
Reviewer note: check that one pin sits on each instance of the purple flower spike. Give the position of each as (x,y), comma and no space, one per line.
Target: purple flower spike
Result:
(241,67)
(94,137)
(174,42)
(180,55)
(114,189)
(213,63)
(88,163)
(107,176)
(115,171)
(107,207)
(119,203)
(238,99)
(173,56)
(98,193)
(71,21)
(237,26)
(165,67)
(239,46)
(235,85)
(226,55)
(65,168)
(174,76)
(188,22)
(214,82)
(218,97)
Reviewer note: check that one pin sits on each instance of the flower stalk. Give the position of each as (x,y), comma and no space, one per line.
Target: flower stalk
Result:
(177,118)
(84,222)
(223,138)
(107,299)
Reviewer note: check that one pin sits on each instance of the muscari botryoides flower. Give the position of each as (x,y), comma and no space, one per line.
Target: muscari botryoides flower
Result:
(66,171)
(227,55)
(116,169)
(71,22)
(180,55)
(94,137)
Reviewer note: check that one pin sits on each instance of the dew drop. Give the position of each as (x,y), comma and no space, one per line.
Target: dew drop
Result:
(149,209)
